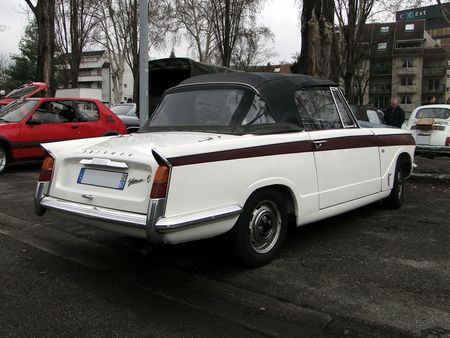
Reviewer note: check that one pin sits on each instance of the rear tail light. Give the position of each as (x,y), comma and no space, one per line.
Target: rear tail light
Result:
(447,142)
(160,182)
(47,169)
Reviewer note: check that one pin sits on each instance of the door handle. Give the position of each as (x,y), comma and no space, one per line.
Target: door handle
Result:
(319,144)
(74,127)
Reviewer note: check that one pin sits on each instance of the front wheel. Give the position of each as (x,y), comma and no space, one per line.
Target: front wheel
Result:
(3,159)
(258,234)
(395,198)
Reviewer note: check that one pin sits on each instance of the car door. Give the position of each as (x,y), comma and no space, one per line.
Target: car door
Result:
(51,121)
(346,156)
(88,119)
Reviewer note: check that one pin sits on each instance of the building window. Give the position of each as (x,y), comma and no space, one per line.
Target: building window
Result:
(409,27)
(407,63)
(434,84)
(99,85)
(125,85)
(406,99)
(384,29)
(382,45)
(381,102)
(406,81)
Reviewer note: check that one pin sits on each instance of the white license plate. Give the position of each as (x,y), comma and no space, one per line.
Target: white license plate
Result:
(423,139)
(102,178)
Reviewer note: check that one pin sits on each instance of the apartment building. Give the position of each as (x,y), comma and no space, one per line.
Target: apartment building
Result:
(95,72)
(404,61)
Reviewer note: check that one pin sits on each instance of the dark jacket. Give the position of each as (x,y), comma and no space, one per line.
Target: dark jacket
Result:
(394,117)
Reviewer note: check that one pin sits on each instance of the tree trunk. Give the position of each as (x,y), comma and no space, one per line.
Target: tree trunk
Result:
(75,39)
(44,12)
(226,61)
(317,37)
(135,51)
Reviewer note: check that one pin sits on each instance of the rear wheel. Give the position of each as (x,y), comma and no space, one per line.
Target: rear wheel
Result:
(261,229)
(3,159)
(395,199)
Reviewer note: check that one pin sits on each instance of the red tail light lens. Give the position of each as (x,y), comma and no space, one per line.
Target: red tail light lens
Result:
(160,182)
(447,142)
(47,169)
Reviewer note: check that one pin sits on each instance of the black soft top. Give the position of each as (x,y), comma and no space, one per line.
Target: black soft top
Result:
(276,89)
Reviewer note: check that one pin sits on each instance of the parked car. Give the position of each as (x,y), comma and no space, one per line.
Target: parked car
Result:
(236,153)
(127,113)
(25,91)
(369,117)
(25,124)
(430,127)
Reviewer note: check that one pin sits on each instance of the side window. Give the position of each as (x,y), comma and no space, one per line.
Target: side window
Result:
(343,109)
(317,109)
(258,113)
(373,117)
(87,111)
(55,112)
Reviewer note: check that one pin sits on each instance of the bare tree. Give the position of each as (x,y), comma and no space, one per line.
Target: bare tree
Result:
(192,16)
(75,24)
(229,19)
(254,47)
(44,12)
(317,37)
(4,66)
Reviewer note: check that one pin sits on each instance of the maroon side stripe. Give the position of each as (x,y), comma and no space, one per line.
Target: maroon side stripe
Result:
(337,143)
(267,150)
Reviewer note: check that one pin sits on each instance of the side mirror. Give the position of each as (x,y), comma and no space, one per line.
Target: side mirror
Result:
(34,122)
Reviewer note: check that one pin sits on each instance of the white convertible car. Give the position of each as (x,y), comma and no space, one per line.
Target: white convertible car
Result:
(237,153)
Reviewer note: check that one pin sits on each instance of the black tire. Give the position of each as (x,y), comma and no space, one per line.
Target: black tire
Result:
(259,233)
(3,160)
(395,198)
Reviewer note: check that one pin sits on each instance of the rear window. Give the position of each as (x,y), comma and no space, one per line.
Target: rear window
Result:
(21,92)
(437,113)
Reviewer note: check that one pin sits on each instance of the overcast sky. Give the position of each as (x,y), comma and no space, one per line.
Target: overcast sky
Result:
(280,15)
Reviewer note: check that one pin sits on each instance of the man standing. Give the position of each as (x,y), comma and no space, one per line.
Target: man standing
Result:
(394,115)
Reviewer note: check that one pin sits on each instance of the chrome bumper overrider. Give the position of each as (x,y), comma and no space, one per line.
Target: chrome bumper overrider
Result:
(154,223)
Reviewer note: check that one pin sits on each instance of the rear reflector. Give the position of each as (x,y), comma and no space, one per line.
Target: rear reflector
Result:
(47,169)
(160,182)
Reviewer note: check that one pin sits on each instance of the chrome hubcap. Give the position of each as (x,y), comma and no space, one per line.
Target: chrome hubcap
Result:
(2,159)
(264,227)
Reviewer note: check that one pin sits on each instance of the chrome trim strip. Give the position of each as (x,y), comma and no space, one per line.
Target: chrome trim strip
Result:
(95,213)
(219,83)
(169,224)
(104,162)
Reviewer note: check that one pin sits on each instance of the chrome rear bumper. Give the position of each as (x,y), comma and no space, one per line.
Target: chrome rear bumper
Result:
(153,225)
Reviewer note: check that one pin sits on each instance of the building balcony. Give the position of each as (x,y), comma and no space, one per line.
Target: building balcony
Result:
(434,90)
(406,89)
(406,70)
(90,78)
(435,71)
(378,90)
(381,72)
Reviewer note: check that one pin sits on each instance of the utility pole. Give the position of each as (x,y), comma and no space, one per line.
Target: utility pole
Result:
(143,63)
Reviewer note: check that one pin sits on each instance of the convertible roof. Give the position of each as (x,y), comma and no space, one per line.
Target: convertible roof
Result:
(276,89)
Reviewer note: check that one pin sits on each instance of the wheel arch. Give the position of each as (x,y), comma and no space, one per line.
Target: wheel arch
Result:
(8,147)
(286,191)
(406,163)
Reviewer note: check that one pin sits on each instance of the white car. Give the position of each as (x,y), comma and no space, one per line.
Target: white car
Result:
(235,153)
(430,127)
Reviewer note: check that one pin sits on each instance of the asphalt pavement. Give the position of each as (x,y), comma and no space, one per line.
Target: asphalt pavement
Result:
(369,273)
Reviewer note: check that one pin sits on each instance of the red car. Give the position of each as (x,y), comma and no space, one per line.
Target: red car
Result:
(25,124)
(23,92)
